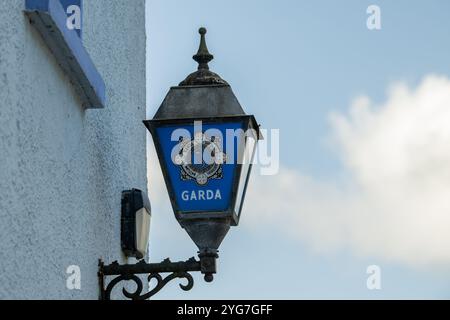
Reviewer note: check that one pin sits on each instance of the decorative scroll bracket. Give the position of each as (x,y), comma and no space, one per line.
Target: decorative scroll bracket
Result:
(176,270)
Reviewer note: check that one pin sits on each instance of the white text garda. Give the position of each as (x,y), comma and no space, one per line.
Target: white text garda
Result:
(201,195)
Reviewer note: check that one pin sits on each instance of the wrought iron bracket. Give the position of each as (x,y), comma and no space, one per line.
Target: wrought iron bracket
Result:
(175,270)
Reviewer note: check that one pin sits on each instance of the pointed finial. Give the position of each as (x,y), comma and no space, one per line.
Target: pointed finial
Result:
(203,57)
(203,76)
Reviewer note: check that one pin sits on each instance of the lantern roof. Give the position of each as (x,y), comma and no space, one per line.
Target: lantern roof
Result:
(203,94)
(199,102)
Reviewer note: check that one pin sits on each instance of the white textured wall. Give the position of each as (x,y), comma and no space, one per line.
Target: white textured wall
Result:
(63,168)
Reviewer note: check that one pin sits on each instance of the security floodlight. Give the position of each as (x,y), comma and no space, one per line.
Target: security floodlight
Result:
(136,216)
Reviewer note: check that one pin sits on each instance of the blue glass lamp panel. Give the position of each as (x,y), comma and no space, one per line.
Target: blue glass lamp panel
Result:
(199,187)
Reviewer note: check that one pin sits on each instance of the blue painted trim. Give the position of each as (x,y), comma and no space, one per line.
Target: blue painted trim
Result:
(49,18)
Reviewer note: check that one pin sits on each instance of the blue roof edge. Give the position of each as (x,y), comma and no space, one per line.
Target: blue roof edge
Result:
(49,18)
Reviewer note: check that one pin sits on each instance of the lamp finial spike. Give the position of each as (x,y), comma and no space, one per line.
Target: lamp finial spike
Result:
(203,57)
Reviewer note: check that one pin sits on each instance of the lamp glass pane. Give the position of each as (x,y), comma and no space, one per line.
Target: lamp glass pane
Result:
(143,219)
(248,156)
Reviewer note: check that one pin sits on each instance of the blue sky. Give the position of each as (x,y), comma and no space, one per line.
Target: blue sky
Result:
(292,63)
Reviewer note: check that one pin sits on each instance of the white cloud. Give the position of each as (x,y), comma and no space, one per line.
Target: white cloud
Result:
(395,202)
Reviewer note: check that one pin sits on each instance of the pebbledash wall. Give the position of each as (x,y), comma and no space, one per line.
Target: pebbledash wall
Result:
(63,167)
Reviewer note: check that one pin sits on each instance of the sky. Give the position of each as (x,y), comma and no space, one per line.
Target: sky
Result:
(364,176)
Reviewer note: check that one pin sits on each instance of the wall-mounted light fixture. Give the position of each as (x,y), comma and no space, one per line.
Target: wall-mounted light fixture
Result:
(205,144)
(135,223)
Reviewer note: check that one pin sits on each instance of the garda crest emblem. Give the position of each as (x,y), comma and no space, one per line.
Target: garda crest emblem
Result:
(200,159)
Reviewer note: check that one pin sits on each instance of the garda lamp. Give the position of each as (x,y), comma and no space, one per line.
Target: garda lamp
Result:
(205,143)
